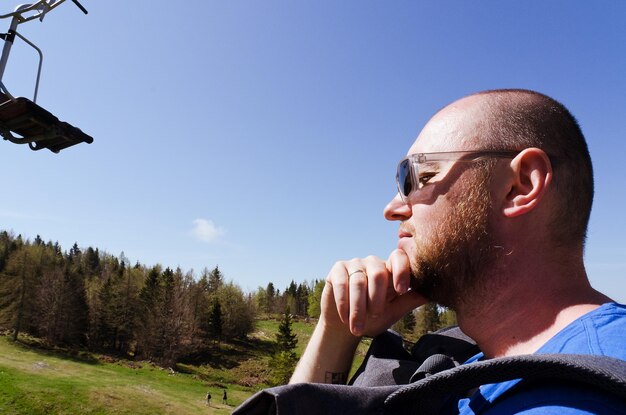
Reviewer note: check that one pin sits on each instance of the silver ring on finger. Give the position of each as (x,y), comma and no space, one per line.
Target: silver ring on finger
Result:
(356,272)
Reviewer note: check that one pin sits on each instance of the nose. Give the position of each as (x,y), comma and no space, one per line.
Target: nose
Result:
(396,209)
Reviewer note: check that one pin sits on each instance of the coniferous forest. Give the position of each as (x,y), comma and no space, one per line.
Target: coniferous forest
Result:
(86,298)
(89,299)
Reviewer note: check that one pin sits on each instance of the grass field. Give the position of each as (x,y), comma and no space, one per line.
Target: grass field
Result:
(36,381)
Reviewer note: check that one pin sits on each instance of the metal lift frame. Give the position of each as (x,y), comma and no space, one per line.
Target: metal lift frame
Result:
(22,121)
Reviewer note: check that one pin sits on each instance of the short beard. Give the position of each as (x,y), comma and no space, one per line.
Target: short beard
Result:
(448,268)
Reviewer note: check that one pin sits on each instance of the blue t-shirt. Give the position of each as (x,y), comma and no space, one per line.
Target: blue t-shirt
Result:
(599,332)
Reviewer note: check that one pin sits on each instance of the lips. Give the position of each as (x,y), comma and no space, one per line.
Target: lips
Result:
(405,239)
(404,232)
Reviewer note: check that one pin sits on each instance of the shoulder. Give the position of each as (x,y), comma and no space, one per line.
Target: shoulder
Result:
(545,399)
(599,332)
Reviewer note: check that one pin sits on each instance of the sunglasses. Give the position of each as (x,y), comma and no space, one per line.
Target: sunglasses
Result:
(408,175)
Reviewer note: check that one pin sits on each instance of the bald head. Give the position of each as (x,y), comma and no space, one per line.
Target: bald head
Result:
(519,119)
(455,126)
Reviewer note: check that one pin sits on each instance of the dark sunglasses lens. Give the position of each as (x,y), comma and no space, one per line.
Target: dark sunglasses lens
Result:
(404,178)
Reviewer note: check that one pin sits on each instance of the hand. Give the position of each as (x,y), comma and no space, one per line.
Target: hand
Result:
(365,296)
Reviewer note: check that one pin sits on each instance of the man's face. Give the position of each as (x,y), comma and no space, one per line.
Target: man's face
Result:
(451,247)
(446,227)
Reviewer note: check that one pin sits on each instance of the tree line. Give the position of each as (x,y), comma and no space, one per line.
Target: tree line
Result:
(89,298)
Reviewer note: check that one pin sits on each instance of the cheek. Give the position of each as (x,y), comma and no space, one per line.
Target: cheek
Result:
(427,218)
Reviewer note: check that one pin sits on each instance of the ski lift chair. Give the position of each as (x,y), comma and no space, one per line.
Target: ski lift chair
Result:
(22,121)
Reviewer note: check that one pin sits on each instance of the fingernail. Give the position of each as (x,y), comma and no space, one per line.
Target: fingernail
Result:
(358,328)
(402,287)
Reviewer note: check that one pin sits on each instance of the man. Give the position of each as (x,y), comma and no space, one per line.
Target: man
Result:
(494,201)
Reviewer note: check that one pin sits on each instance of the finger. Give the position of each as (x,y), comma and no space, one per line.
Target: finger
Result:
(358,301)
(400,268)
(378,280)
(338,278)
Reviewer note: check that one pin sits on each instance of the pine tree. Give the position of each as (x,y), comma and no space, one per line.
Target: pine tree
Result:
(292,289)
(215,280)
(286,340)
(92,261)
(215,320)
(74,252)
(284,359)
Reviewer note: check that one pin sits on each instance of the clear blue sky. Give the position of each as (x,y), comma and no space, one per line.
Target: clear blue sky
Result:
(263,135)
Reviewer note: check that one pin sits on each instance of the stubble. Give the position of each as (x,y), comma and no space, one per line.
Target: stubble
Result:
(449,262)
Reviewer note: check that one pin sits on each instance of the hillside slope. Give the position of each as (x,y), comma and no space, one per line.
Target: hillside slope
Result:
(35,380)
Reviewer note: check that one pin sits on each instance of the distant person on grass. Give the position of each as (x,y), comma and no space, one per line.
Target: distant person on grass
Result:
(208,398)
(224,397)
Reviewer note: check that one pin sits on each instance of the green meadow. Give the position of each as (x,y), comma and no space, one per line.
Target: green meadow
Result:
(35,380)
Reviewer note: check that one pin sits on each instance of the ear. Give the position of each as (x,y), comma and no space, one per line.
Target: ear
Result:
(531,174)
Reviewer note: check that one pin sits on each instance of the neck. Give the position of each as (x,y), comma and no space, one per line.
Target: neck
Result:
(521,309)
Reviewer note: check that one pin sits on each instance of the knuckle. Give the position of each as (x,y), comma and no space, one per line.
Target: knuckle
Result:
(336,273)
(338,266)
(331,278)
(372,258)
(354,263)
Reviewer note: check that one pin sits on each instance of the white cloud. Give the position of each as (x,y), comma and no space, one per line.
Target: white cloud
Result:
(206,231)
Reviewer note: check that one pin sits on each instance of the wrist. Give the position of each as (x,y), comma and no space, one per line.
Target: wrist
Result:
(339,334)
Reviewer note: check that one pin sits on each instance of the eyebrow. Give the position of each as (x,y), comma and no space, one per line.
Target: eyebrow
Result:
(430,164)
